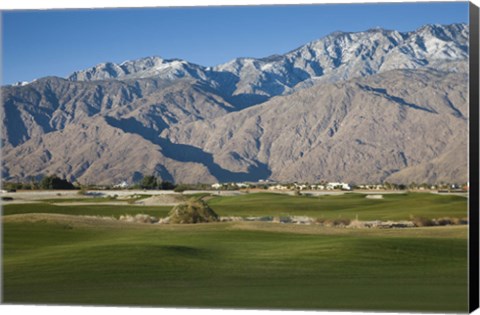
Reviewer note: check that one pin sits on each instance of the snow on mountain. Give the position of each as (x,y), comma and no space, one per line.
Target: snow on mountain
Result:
(323,106)
(338,56)
(142,68)
(342,56)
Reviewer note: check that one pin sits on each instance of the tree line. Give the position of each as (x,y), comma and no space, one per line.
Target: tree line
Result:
(48,182)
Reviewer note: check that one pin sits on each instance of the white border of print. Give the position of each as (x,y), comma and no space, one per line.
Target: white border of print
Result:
(81,310)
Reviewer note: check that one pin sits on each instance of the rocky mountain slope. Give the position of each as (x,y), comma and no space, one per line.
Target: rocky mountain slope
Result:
(362,130)
(338,56)
(360,107)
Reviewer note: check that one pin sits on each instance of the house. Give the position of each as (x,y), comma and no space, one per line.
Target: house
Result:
(217,186)
(301,187)
(334,185)
(123,184)
(278,187)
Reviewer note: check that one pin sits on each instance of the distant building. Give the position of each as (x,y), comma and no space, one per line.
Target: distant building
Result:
(217,186)
(278,187)
(123,184)
(334,185)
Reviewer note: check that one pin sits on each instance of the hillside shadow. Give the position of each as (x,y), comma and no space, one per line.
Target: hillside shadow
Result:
(188,153)
(383,93)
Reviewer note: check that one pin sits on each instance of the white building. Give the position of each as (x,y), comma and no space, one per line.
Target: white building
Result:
(123,184)
(334,185)
(217,186)
(278,187)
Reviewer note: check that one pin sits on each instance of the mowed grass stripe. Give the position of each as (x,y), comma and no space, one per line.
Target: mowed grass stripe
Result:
(94,210)
(212,265)
(351,206)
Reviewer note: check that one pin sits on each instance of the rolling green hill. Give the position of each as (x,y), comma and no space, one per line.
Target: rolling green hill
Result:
(391,207)
(224,265)
(60,254)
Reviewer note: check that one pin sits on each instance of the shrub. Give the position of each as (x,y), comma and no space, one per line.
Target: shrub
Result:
(320,221)
(445,221)
(139,218)
(149,182)
(356,224)
(181,188)
(421,221)
(165,185)
(193,211)
(340,222)
(54,182)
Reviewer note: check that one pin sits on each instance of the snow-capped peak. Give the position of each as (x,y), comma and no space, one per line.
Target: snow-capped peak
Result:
(337,56)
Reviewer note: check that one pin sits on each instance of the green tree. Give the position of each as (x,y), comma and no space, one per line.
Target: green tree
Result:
(165,185)
(149,182)
(55,182)
(413,185)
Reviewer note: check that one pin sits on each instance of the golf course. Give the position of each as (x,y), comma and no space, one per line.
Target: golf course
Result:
(63,253)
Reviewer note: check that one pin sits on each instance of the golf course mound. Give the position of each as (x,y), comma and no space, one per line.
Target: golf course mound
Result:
(193,211)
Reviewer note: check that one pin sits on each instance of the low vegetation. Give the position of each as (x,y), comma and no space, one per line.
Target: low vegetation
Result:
(192,211)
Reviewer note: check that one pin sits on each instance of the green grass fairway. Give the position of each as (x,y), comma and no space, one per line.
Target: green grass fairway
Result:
(392,207)
(234,265)
(349,206)
(95,210)
(96,199)
(59,254)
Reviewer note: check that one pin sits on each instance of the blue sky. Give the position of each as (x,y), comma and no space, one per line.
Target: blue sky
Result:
(58,42)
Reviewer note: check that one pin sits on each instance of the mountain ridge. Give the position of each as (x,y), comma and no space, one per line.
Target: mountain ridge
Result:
(206,124)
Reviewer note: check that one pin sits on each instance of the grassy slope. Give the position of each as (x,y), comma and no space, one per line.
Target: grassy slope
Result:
(99,210)
(96,199)
(255,265)
(223,265)
(392,207)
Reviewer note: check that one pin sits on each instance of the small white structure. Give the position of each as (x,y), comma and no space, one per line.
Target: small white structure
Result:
(123,184)
(334,185)
(278,187)
(300,187)
(217,186)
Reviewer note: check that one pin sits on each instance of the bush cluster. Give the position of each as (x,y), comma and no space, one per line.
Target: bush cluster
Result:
(152,182)
(193,211)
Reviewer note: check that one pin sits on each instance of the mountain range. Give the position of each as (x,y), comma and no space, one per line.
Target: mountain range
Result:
(370,106)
